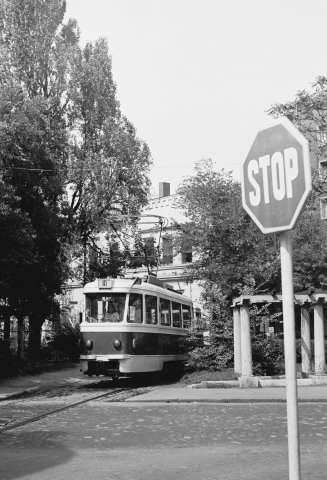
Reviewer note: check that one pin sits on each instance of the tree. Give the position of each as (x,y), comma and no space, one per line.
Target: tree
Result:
(16,256)
(229,249)
(145,253)
(37,48)
(232,256)
(38,52)
(108,162)
(310,250)
(61,126)
(30,145)
(308,112)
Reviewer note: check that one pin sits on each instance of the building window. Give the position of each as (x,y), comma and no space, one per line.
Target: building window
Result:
(323,171)
(321,137)
(187,256)
(167,251)
(323,208)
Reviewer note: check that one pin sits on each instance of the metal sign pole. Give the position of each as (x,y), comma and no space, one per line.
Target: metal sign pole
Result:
(290,355)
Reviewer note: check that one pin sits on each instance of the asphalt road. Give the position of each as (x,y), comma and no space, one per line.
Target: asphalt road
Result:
(131,441)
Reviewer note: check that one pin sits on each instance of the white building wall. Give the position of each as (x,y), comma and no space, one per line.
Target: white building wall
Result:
(175,274)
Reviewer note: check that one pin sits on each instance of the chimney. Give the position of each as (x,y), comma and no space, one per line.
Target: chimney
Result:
(164,189)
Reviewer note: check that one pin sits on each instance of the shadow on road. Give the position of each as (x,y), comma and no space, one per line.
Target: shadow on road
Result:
(137,381)
(46,448)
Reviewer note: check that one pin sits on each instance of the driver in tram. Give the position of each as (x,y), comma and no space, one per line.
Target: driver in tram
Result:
(112,314)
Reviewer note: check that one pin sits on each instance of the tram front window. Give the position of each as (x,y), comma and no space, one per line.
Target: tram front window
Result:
(105,308)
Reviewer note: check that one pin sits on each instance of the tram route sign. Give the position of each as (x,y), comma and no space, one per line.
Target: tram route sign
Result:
(276,177)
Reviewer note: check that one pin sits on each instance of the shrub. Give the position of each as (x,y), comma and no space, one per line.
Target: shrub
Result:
(6,357)
(211,357)
(268,356)
(66,341)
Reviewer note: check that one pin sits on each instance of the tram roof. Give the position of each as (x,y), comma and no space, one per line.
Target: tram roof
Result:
(125,285)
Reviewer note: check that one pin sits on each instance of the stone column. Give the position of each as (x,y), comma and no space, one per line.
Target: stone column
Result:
(319,339)
(305,339)
(246,341)
(237,341)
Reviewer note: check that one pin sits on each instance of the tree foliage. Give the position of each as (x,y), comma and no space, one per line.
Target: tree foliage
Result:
(61,128)
(108,162)
(231,255)
(308,112)
(229,249)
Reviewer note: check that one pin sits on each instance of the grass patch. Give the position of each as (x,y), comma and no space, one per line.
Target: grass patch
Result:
(205,375)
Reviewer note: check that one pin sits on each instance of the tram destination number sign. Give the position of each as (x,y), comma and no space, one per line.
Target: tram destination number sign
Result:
(276,177)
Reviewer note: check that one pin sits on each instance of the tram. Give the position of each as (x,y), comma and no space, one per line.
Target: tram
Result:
(133,326)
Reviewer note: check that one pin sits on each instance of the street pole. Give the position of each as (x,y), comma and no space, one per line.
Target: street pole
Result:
(290,355)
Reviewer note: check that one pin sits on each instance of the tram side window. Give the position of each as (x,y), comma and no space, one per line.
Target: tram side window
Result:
(176,310)
(135,308)
(91,309)
(186,316)
(151,314)
(164,311)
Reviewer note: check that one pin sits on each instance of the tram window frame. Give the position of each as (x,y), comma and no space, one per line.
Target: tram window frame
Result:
(152,321)
(163,304)
(138,311)
(97,305)
(176,322)
(187,322)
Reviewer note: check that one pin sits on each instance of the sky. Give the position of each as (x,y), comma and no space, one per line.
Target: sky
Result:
(196,77)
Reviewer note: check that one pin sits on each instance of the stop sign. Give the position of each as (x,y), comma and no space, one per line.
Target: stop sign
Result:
(276,177)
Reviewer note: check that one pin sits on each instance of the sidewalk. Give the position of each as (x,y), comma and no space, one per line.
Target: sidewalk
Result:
(16,387)
(310,394)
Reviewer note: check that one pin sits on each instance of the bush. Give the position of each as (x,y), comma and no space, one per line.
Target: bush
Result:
(6,356)
(50,359)
(211,357)
(66,341)
(268,356)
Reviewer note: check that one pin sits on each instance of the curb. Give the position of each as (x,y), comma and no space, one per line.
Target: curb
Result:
(223,400)
(21,393)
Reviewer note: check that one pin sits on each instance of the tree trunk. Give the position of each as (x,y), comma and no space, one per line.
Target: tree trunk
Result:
(20,337)
(34,337)
(84,258)
(6,329)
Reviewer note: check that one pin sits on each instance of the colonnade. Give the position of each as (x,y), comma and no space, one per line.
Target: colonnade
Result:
(242,335)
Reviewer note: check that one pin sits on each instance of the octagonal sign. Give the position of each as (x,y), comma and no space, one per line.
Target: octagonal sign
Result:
(276,177)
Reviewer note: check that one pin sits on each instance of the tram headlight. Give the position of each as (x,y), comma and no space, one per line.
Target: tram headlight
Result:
(89,344)
(117,343)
